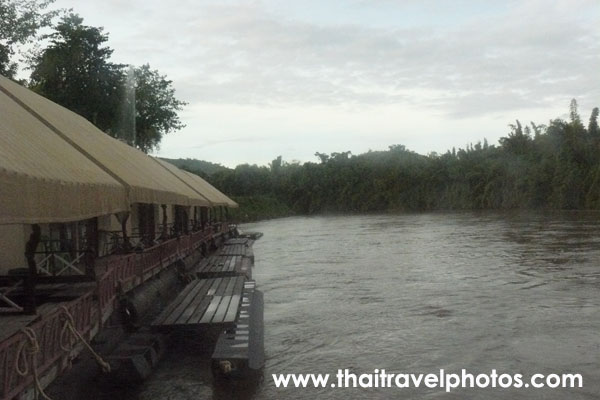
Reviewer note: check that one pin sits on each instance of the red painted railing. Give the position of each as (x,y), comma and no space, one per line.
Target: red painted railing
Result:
(47,331)
(113,273)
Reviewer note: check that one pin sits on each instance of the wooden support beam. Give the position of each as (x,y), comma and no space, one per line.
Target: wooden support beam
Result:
(122,217)
(165,228)
(30,279)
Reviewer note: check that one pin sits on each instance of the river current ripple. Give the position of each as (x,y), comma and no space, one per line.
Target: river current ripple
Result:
(416,293)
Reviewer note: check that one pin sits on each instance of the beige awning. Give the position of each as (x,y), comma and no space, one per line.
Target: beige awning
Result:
(43,179)
(185,178)
(212,193)
(145,180)
(207,190)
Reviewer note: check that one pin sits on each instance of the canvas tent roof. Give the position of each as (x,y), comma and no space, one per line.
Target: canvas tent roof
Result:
(200,185)
(145,180)
(43,179)
(212,193)
(182,176)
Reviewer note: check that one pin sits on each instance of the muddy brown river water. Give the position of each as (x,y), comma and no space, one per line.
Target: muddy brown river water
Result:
(514,292)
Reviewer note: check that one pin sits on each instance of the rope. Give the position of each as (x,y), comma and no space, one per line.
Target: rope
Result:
(69,335)
(22,366)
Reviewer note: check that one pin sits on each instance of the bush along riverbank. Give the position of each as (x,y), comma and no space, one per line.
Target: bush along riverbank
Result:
(554,166)
(539,167)
(254,208)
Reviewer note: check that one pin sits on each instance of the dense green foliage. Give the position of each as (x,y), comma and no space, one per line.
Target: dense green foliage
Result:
(555,166)
(156,108)
(198,167)
(75,71)
(253,208)
(19,22)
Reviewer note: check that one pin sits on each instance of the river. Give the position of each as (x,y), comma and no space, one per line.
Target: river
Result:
(416,293)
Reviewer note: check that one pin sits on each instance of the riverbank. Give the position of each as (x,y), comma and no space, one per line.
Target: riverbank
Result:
(263,208)
(258,208)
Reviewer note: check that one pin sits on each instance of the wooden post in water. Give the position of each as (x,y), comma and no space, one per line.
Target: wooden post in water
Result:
(30,279)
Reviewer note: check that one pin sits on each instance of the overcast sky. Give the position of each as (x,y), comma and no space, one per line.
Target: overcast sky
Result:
(268,78)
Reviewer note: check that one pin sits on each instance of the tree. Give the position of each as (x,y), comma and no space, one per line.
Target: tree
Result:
(516,142)
(593,125)
(156,108)
(75,72)
(21,19)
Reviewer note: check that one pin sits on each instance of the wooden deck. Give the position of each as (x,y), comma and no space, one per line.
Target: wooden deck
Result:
(241,240)
(53,295)
(236,249)
(219,266)
(204,302)
(243,343)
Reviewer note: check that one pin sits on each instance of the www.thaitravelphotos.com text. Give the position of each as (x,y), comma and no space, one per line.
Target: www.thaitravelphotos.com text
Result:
(442,380)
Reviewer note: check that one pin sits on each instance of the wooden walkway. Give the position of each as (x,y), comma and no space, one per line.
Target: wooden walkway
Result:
(219,266)
(236,249)
(204,302)
(244,342)
(241,240)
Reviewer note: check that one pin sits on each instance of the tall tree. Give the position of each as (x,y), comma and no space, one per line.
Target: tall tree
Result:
(593,125)
(20,21)
(156,108)
(75,71)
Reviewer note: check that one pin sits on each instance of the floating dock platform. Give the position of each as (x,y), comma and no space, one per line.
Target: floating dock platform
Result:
(219,266)
(239,351)
(223,296)
(204,302)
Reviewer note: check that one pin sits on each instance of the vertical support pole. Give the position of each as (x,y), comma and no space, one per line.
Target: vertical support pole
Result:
(123,217)
(195,223)
(124,232)
(221,218)
(91,248)
(177,220)
(29,283)
(186,213)
(165,228)
(203,216)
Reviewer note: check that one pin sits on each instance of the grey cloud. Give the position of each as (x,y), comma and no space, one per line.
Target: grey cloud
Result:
(237,53)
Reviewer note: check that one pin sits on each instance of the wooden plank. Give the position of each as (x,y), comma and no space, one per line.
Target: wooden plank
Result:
(167,311)
(184,303)
(234,306)
(201,309)
(224,305)
(175,303)
(200,295)
(214,302)
(234,241)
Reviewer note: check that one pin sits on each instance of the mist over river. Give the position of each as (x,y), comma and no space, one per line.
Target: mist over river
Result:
(416,293)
